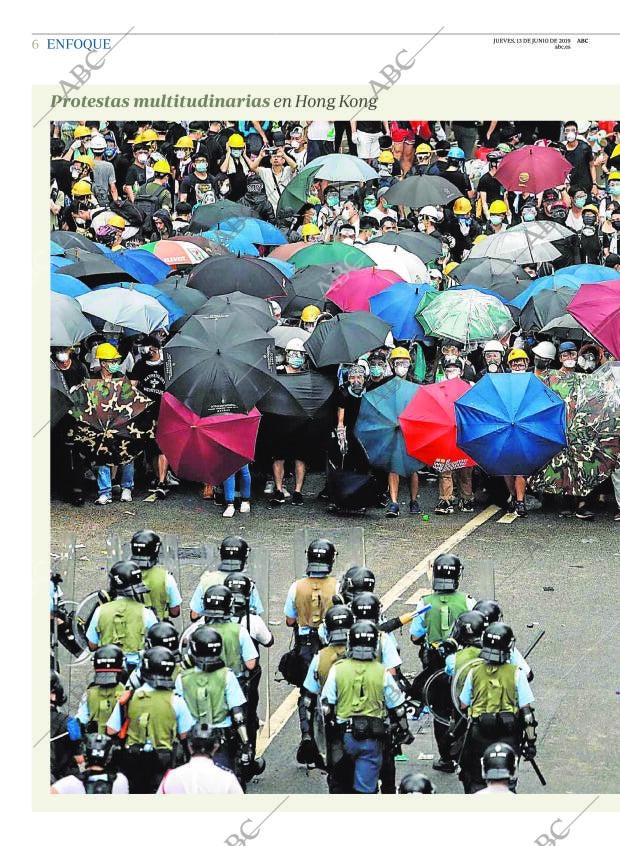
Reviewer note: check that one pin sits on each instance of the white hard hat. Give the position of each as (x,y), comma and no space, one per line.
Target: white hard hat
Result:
(545,349)
(295,344)
(98,144)
(493,346)
(429,211)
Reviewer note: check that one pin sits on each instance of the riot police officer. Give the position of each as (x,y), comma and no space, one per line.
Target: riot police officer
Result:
(498,700)
(499,769)
(238,650)
(357,697)
(157,719)
(124,620)
(99,776)
(492,613)
(416,783)
(357,579)
(161,634)
(163,594)
(234,551)
(65,734)
(100,697)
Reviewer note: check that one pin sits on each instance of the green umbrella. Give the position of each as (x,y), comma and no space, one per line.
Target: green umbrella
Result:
(295,195)
(331,254)
(464,315)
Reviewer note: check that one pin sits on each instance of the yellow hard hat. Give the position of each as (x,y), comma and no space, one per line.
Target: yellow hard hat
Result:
(107,352)
(82,132)
(615,174)
(400,352)
(139,139)
(513,355)
(161,166)
(386,157)
(498,207)
(480,238)
(184,143)
(81,189)
(591,207)
(236,140)
(85,160)
(423,148)
(149,135)
(615,152)
(310,229)
(117,221)
(310,313)
(450,267)
(462,206)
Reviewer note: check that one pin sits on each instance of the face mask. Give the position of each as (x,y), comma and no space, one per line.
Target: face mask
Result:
(453,373)
(421,227)
(493,358)
(225,189)
(401,369)
(614,188)
(388,205)
(332,200)
(179,154)
(143,158)
(440,215)
(616,225)
(569,362)
(313,192)
(541,363)
(114,367)
(347,214)
(75,172)
(62,356)
(236,154)
(570,136)
(464,224)
(144,350)
(314,218)
(369,205)
(296,361)
(586,363)
(356,388)
(110,153)
(201,168)
(580,202)
(346,241)
(376,370)
(528,217)
(495,219)
(593,139)
(294,144)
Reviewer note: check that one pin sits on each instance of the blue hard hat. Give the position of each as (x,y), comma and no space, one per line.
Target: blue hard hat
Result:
(456,153)
(567,346)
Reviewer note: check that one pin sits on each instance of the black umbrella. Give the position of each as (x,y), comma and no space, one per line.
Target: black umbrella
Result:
(68,325)
(498,276)
(97,270)
(219,366)
(346,337)
(309,286)
(225,274)
(206,217)
(351,490)
(543,307)
(60,399)
(418,191)
(251,309)
(186,298)
(73,240)
(298,397)
(425,247)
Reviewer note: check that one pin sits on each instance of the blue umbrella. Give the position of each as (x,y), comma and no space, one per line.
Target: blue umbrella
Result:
(588,272)
(511,424)
(151,291)
(254,230)
(397,305)
(232,241)
(56,249)
(568,279)
(62,284)
(60,261)
(285,267)
(378,429)
(146,267)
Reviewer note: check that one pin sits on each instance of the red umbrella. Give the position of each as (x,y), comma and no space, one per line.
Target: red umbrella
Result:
(597,308)
(352,290)
(287,250)
(532,169)
(429,425)
(205,449)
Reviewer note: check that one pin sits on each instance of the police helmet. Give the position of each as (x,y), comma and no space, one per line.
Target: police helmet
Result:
(157,667)
(468,628)
(363,640)
(57,689)
(366,606)
(205,647)
(447,572)
(218,602)
(202,739)
(240,586)
(497,643)
(498,762)
(490,610)
(416,783)
(108,664)
(234,552)
(163,634)
(357,580)
(338,621)
(126,580)
(97,749)
(145,546)
(321,554)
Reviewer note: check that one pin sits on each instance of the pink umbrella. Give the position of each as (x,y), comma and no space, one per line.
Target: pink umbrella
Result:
(287,250)
(597,308)
(351,291)
(205,449)
(532,169)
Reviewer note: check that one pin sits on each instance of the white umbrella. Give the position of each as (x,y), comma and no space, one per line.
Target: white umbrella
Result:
(125,307)
(515,245)
(392,257)
(283,334)
(341,167)
(68,325)
(544,230)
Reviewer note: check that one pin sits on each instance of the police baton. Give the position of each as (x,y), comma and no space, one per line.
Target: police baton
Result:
(398,622)
(533,647)
(536,769)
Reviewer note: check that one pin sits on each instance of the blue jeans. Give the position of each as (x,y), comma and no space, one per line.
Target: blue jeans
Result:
(367,756)
(104,478)
(244,486)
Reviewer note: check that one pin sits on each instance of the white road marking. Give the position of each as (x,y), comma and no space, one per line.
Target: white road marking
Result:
(508,518)
(285,711)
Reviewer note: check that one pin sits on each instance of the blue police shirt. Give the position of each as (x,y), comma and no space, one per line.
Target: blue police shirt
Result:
(392,694)
(290,610)
(197,599)
(515,658)
(92,634)
(417,629)
(524,691)
(232,693)
(184,718)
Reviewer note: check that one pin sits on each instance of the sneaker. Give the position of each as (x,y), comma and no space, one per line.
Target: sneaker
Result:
(126,495)
(444,507)
(270,486)
(104,499)
(466,505)
(207,492)
(583,513)
(152,486)
(393,510)
(277,498)
(286,493)
(323,495)
(171,479)
(617,517)
(520,508)
(444,766)
(162,490)
(244,508)
(297,498)
(229,511)
(511,506)
(414,507)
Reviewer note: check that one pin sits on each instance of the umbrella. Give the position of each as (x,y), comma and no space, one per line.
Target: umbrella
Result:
(251,309)
(566,328)
(378,428)
(501,278)
(341,167)
(70,240)
(204,217)
(225,274)
(543,307)
(346,337)
(63,284)
(330,254)
(309,287)
(283,334)
(544,230)
(111,426)
(588,272)
(56,249)
(464,315)
(60,398)
(176,253)
(68,326)
(532,169)
(210,248)
(597,308)
(219,366)
(549,283)
(592,433)
(429,425)
(205,449)
(352,491)
(295,194)
(232,241)
(254,230)
(60,261)
(298,399)
(144,266)
(174,312)
(126,308)
(425,247)
(419,191)
(517,246)
(285,267)
(97,270)
(352,291)
(391,257)
(397,305)
(285,252)
(187,299)
(510,424)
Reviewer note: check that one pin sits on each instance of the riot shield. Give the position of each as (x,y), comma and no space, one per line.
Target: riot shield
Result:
(188,563)
(349,543)
(436,695)
(62,603)
(259,569)
(458,680)
(83,615)
(481,582)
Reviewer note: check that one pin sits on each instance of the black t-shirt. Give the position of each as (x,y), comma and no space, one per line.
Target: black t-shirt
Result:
(238,180)
(198,190)
(151,380)
(370,126)
(75,374)
(492,187)
(351,407)
(61,171)
(372,386)
(135,174)
(459,179)
(580,159)
(120,164)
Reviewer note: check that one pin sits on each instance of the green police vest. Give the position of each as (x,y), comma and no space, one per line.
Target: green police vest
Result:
(122,622)
(205,696)
(210,578)
(101,701)
(231,646)
(464,656)
(157,597)
(494,689)
(360,689)
(151,716)
(327,658)
(439,619)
